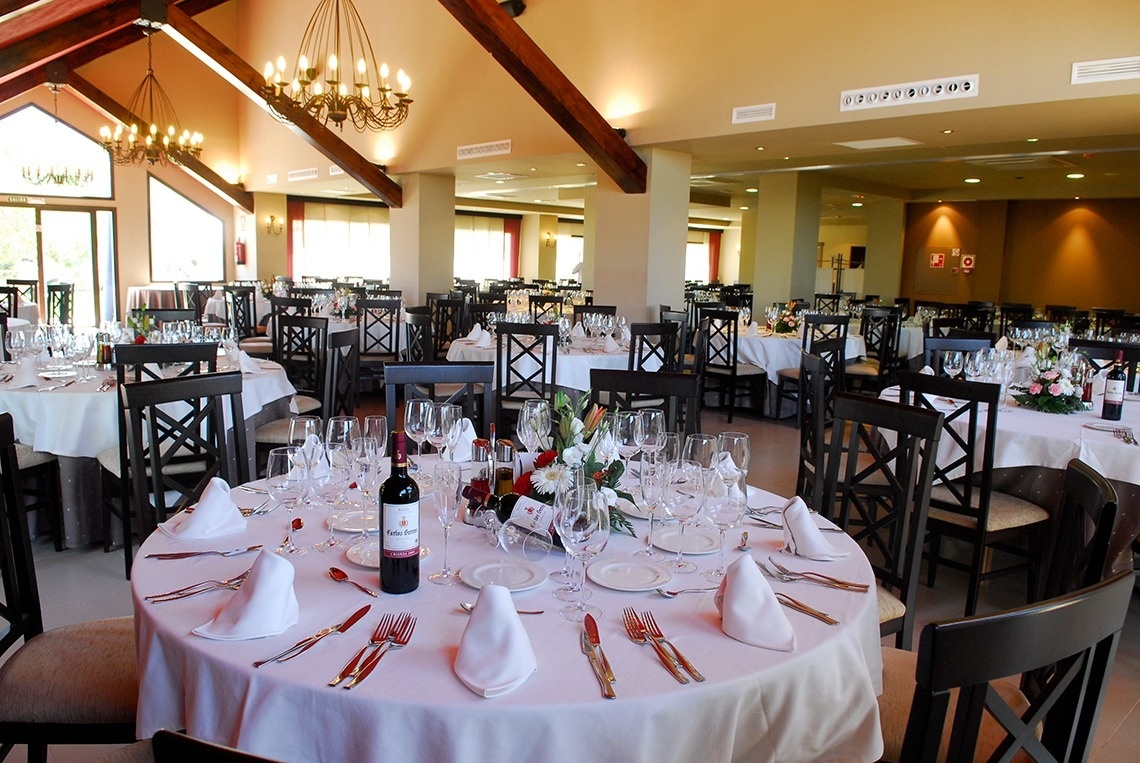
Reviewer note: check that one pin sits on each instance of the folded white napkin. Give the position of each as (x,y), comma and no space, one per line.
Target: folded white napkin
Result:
(467,436)
(247,364)
(748,609)
(484,342)
(927,371)
(577,332)
(495,656)
(611,345)
(802,536)
(1027,358)
(264,605)
(753,329)
(626,336)
(476,333)
(25,374)
(219,294)
(1001,344)
(524,462)
(215,515)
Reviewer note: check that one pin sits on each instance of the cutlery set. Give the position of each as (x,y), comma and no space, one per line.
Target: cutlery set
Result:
(188,554)
(790,576)
(193,590)
(591,643)
(306,644)
(49,388)
(390,634)
(7,378)
(643,630)
(1125,435)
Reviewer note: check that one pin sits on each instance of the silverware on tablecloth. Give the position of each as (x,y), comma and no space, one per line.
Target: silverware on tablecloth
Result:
(384,630)
(591,626)
(774,526)
(188,554)
(252,489)
(799,606)
(306,643)
(654,632)
(399,641)
(469,607)
(786,574)
(196,588)
(670,594)
(340,576)
(67,383)
(635,629)
(596,665)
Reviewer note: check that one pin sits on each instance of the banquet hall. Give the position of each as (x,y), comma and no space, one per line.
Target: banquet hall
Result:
(680,158)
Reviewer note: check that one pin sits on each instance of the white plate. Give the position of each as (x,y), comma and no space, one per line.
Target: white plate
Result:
(367,554)
(354,522)
(698,539)
(1104,427)
(628,574)
(634,510)
(515,575)
(52,375)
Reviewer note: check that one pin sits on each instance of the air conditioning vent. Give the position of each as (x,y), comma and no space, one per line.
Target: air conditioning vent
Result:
(926,91)
(335,170)
(1019,163)
(1108,70)
(760,113)
(310,174)
(480,150)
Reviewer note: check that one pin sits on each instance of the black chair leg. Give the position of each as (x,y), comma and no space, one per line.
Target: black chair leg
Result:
(977,559)
(55,498)
(932,563)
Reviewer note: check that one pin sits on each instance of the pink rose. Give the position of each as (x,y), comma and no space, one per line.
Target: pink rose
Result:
(1050,375)
(1035,388)
(1055,389)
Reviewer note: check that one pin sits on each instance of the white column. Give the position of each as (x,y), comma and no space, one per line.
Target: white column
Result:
(786,233)
(886,229)
(423,237)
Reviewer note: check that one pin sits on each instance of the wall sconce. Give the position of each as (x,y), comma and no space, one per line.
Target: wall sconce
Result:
(550,242)
(274,225)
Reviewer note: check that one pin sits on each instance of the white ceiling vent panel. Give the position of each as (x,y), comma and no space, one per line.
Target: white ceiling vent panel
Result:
(760,113)
(1105,71)
(1019,163)
(335,170)
(310,174)
(926,91)
(479,150)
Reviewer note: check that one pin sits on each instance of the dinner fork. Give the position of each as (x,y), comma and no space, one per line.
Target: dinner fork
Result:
(384,631)
(1125,434)
(188,554)
(788,575)
(205,585)
(656,634)
(399,641)
(637,634)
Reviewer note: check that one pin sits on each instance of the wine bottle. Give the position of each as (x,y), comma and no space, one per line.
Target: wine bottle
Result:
(527,513)
(1114,385)
(399,524)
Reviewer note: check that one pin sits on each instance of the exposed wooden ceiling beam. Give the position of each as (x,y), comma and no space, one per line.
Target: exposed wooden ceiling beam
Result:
(22,84)
(100,100)
(63,38)
(551,89)
(227,64)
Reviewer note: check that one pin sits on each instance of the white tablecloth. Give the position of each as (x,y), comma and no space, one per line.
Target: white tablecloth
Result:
(775,352)
(574,364)
(217,311)
(910,342)
(816,703)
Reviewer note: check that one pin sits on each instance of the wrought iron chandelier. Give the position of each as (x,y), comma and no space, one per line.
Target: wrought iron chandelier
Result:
(129,144)
(57,172)
(358,93)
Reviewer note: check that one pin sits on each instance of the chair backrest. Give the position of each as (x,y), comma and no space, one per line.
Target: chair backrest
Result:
(1104,319)
(188,295)
(342,379)
(883,489)
(20,614)
(1076,633)
(9,300)
(941,325)
(545,309)
(301,347)
(449,319)
(737,298)
(818,327)
(378,325)
(978,318)
(477,312)
(1077,553)
(290,306)
(904,304)
(821,377)
(4,354)
(827,303)
(880,330)
(241,301)
(684,334)
(934,347)
(1014,311)
(1099,349)
(164,315)
(581,310)
(629,390)
(475,394)
(180,448)
(61,302)
(28,288)
(653,345)
(420,348)
(527,364)
(720,340)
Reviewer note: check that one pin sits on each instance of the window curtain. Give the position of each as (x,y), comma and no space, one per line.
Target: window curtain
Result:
(332,240)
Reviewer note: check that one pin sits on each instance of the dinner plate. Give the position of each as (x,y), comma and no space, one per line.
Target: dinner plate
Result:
(698,539)
(1104,427)
(58,374)
(634,510)
(367,554)
(354,521)
(514,575)
(628,574)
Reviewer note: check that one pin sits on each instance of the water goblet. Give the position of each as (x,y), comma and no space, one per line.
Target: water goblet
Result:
(670,447)
(575,479)
(584,527)
(649,429)
(534,424)
(684,498)
(342,430)
(654,478)
(415,423)
(702,449)
(447,482)
(952,363)
(330,475)
(285,483)
(377,428)
(15,341)
(625,435)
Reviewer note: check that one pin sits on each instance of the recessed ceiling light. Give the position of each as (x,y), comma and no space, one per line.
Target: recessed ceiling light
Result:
(1078,198)
(744,209)
(1075,175)
(580,164)
(752,190)
(786,158)
(973,180)
(538,201)
(534,169)
(856,203)
(947,132)
(500,182)
(759,148)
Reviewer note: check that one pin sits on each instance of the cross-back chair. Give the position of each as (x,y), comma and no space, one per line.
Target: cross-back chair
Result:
(380,331)
(677,395)
(722,371)
(27,288)
(526,369)
(61,302)
(827,303)
(9,300)
(240,301)
(935,349)
(685,357)
(820,378)
(817,327)
(419,344)
(653,346)
(449,321)
(880,330)
(469,384)
(545,309)
(300,345)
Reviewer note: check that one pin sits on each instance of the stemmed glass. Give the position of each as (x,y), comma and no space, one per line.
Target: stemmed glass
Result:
(952,363)
(15,340)
(584,526)
(82,344)
(649,430)
(369,458)
(305,432)
(447,483)
(702,449)
(342,430)
(442,421)
(684,498)
(577,479)
(415,424)
(534,424)
(331,474)
(670,448)
(625,435)
(654,479)
(376,427)
(286,485)
(732,459)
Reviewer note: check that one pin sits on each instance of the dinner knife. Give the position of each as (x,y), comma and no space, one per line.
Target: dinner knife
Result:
(596,642)
(307,643)
(599,673)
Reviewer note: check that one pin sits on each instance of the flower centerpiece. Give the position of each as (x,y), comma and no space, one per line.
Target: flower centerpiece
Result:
(578,437)
(786,321)
(343,303)
(139,321)
(1051,391)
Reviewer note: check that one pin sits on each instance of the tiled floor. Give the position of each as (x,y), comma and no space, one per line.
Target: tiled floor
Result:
(81,585)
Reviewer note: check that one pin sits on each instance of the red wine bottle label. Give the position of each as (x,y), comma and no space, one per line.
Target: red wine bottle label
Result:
(1114,391)
(532,515)
(401,530)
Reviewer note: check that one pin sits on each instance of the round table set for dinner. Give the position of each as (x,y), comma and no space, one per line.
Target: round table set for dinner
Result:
(815,701)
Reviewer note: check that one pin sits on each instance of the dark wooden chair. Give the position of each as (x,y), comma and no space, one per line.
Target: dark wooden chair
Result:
(942,325)
(817,327)
(419,345)
(61,303)
(677,395)
(880,330)
(882,492)
(300,345)
(189,295)
(380,331)
(9,300)
(527,367)
(1013,311)
(582,310)
(978,317)
(963,504)
(961,671)
(934,348)
(240,301)
(449,321)
(470,384)
(722,371)
(653,344)
(1077,555)
(27,288)
(545,309)
(820,379)
(1104,319)
(1105,352)
(904,303)
(342,385)
(827,303)
(72,685)
(685,357)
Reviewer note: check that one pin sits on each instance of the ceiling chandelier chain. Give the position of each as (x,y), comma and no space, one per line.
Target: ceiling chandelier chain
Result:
(358,92)
(161,143)
(57,172)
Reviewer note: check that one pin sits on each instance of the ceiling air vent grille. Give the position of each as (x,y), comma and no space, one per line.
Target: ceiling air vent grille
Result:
(479,150)
(310,174)
(335,170)
(760,113)
(1108,70)
(926,91)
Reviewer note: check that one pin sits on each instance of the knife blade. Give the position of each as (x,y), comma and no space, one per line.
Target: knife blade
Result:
(307,643)
(596,642)
(588,650)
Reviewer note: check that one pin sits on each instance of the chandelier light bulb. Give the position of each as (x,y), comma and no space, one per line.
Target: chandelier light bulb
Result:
(332,67)
(404,80)
(361,68)
(268,72)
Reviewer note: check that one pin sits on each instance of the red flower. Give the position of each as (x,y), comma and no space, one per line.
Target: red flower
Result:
(140,339)
(545,459)
(523,484)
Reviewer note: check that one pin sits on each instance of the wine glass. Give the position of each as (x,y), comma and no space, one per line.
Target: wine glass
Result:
(649,429)
(376,427)
(576,479)
(732,459)
(952,363)
(82,344)
(684,497)
(342,430)
(415,424)
(733,455)
(366,453)
(654,479)
(447,481)
(702,449)
(670,448)
(625,435)
(305,432)
(331,474)
(443,419)
(16,341)
(584,526)
(285,482)
(534,424)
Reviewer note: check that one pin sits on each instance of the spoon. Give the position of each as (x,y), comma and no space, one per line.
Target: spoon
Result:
(671,594)
(341,576)
(466,607)
(744,542)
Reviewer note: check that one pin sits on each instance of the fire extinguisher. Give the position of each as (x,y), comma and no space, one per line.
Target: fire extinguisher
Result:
(239,252)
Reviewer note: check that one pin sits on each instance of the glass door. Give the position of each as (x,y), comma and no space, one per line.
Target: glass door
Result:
(67,241)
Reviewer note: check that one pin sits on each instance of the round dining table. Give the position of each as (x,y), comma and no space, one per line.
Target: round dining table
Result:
(814,703)
(776,352)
